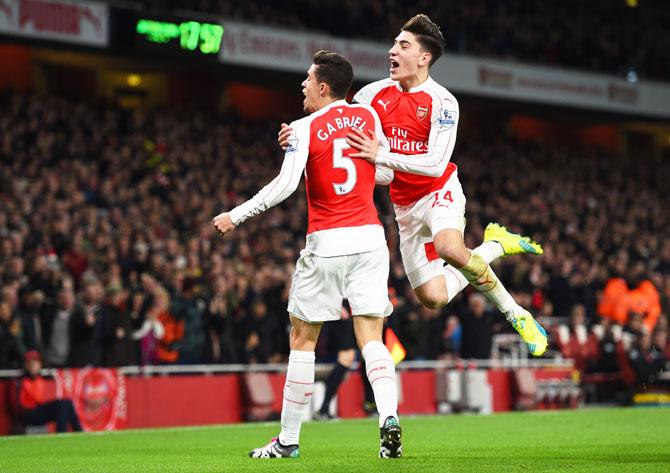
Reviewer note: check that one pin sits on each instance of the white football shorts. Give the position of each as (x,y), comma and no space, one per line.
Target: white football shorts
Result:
(420,222)
(320,284)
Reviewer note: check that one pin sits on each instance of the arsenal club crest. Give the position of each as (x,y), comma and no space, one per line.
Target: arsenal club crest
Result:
(98,395)
(421,112)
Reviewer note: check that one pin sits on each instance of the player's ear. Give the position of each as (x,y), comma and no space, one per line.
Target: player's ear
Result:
(324,89)
(424,58)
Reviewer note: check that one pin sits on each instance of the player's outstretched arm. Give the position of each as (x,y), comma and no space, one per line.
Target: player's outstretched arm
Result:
(277,190)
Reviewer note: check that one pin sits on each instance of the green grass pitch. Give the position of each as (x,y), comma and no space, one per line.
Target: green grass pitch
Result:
(602,440)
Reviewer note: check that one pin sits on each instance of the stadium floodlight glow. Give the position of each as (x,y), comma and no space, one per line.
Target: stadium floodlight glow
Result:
(133,80)
(192,35)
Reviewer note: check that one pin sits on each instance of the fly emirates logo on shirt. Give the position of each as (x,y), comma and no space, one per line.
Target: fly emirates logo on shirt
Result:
(399,141)
(339,123)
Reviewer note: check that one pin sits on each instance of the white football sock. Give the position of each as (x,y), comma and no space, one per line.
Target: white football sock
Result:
(490,251)
(482,278)
(380,369)
(297,395)
(456,282)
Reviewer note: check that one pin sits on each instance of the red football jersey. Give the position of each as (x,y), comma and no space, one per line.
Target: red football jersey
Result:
(342,217)
(339,189)
(420,121)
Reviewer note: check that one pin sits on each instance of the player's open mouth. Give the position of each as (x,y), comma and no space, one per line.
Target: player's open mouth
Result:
(394,65)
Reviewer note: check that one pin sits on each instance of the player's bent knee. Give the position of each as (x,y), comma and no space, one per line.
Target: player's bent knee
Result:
(453,253)
(432,302)
(447,250)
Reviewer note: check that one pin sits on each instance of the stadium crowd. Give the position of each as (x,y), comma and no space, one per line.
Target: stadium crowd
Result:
(108,256)
(602,35)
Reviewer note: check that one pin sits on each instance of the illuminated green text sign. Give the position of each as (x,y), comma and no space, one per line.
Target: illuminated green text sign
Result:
(192,35)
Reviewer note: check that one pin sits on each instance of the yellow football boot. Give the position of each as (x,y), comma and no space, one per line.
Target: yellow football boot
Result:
(531,332)
(512,243)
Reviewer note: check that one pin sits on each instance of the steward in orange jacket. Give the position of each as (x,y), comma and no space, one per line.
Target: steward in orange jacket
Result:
(33,407)
(618,301)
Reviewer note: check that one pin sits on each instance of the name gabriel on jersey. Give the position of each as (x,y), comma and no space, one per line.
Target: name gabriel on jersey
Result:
(339,123)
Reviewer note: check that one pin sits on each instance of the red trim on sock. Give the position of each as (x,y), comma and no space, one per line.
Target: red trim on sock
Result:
(381,377)
(296,402)
(375,361)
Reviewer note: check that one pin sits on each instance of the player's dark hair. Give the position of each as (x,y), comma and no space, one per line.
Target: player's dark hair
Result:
(428,35)
(336,71)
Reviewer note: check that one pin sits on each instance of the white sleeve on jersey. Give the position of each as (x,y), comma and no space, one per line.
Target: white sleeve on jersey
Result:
(441,141)
(285,183)
(365,95)
(383,174)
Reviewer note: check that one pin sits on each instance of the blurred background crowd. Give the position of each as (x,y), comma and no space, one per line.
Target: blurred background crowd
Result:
(613,37)
(108,256)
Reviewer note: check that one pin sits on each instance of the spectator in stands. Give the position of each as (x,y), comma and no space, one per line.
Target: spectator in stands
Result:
(29,313)
(646,362)
(645,300)
(607,335)
(259,334)
(189,306)
(58,332)
(124,215)
(618,301)
(161,330)
(89,325)
(423,333)
(660,346)
(40,275)
(11,344)
(118,347)
(635,325)
(147,329)
(560,290)
(575,341)
(34,408)
(219,323)
(477,328)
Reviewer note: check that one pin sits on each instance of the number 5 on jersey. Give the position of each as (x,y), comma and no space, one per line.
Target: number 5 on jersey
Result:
(342,162)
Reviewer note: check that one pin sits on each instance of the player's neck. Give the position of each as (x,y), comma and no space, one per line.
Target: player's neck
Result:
(324,102)
(413,81)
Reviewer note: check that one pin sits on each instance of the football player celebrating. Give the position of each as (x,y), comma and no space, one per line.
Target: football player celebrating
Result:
(419,118)
(345,256)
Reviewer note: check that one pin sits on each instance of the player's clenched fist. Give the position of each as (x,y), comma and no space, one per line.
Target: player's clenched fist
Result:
(223,223)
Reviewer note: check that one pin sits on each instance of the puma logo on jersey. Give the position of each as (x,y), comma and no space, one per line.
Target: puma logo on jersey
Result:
(381,102)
